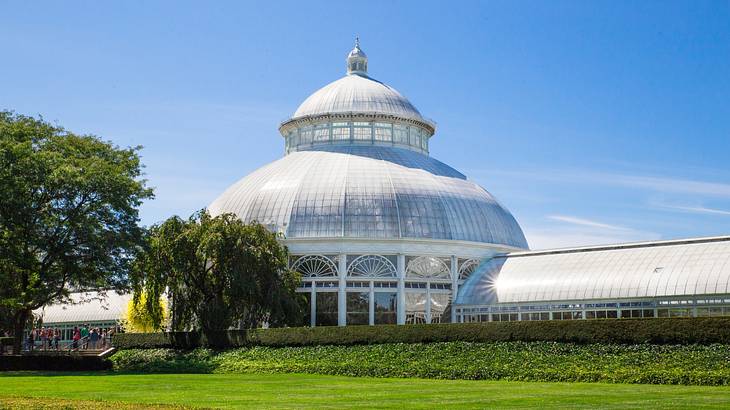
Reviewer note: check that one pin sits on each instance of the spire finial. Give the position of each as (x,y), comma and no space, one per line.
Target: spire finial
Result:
(357,61)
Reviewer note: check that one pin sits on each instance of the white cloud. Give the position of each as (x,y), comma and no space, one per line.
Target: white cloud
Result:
(585,222)
(694,209)
(574,231)
(563,238)
(673,185)
(652,183)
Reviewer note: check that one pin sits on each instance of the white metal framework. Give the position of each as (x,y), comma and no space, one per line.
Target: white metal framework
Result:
(468,267)
(372,266)
(427,267)
(315,266)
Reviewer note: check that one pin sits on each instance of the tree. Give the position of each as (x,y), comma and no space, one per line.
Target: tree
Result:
(218,272)
(137,319)
(68,214)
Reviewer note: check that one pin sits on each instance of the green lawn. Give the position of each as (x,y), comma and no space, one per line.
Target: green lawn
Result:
(314,391)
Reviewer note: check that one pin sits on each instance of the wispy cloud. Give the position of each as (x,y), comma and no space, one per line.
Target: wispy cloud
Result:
(674,185)
(651,183)
(586,222)
(694,209)
(559,238)
(576,231)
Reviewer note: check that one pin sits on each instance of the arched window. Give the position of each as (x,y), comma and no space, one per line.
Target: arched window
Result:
(428,267)
(467,268)
(315,266)
(373,266)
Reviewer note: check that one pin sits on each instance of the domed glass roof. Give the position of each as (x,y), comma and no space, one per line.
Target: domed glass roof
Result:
(369,192)
(356,93)
(365,174)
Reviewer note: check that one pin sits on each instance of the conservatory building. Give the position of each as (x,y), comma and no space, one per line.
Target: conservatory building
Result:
(677,278)
(383,233)
(380,231)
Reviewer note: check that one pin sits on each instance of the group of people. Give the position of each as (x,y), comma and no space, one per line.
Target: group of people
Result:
(49,339)
(82,337)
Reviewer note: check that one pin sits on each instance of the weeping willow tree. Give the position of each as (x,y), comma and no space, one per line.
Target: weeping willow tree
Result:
(217,273)
(137,318)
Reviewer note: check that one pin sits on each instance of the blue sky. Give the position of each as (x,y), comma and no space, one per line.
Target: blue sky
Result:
(593,122)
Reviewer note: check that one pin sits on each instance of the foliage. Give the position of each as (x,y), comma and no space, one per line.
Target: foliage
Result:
(218,272)
(53,362)
(137,317)
(68,214)
(6,342)
(37,403)
(308,391)
(519,361)
(629,331)
(165,361)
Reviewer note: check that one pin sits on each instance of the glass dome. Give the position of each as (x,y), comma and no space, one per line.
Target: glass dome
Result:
(369,192)
(357,166)
(357,93)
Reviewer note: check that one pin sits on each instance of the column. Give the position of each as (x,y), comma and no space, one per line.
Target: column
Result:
(454,285)
(341,294)
(371,304)
(401,267)
(428,302)
(313,306)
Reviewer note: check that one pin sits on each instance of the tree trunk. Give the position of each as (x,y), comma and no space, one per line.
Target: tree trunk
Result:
(21,318)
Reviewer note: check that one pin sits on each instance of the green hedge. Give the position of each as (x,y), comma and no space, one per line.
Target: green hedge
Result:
(523,361)
(56,363)
(624,331)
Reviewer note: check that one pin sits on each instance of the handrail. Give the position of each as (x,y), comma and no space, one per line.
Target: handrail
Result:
(67,346)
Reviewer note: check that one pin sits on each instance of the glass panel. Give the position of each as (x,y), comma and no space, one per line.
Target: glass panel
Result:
(341,133)
(383,134)
(326,309)
(305,135)
(415,307)
(307,307)
(415,137)
(441,308)
(400,134)
(358,308)
(321,133)
(362,133)
(386,308)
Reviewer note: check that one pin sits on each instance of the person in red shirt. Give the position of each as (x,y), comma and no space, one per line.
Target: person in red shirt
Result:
(76,338)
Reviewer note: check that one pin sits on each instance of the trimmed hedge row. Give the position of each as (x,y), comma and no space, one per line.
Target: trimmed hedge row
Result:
(60,363)
(623,331)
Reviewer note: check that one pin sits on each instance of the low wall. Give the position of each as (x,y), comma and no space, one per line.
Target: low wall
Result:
(53,363)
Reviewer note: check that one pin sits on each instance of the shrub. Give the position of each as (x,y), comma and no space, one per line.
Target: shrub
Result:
(519,361)
(626,331)
(164,361)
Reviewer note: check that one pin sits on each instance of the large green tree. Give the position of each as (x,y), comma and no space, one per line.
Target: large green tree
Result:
(218,272)
(68,214)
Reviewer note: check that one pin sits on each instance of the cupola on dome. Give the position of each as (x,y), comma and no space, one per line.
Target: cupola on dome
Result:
(355,97)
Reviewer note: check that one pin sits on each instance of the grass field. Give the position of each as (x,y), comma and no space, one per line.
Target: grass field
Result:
(66,390)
